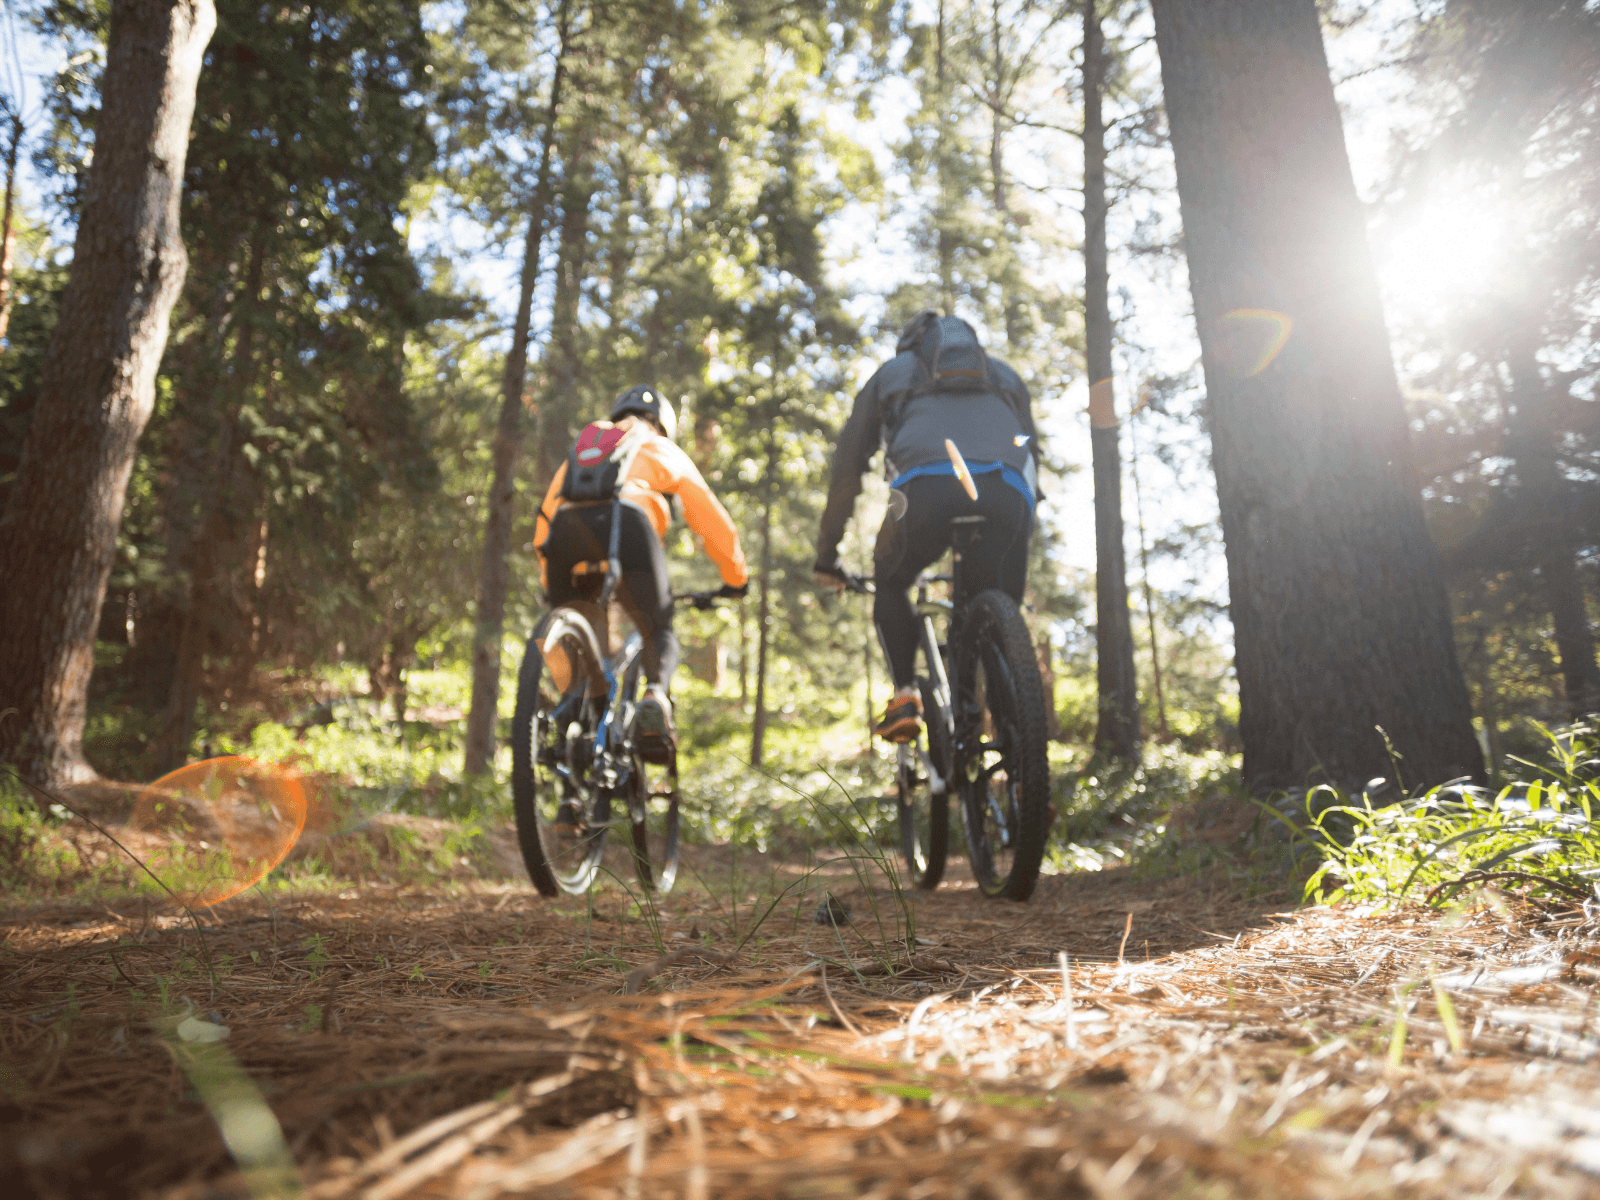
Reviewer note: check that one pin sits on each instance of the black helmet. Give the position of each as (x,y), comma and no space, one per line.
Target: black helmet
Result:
(911,333)
(646,401)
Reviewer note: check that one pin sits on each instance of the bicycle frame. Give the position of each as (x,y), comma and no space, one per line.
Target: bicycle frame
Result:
(964,532)
(938,685)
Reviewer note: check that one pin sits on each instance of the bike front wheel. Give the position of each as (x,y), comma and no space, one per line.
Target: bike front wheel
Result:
(1002,772)
(561,814)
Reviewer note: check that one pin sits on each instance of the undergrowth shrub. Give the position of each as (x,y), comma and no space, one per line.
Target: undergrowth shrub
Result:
(1538,835)
(726,800)
(1113,812)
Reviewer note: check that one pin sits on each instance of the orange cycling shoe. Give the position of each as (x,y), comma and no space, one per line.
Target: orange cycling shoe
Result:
(902,720)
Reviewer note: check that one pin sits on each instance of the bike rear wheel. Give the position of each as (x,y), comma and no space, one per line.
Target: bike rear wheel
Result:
(1001,768)
(561,815)
(922,780)
(651,796)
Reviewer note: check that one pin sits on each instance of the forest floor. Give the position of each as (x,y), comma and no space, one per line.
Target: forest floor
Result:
(418,1036)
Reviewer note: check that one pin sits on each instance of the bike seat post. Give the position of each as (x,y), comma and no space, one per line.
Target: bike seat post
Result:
(965,533)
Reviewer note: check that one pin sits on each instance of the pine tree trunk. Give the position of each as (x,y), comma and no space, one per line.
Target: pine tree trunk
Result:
(1533,443)
(1341,621)
(559,418)
(59,532)
(219,508)
(1116,733)
(494,577)
(758,722)
(744,660)
(8,232)
(942,215)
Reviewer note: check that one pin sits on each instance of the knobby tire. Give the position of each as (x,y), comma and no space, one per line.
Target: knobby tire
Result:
(538,790)
(1005,791)
(655,833)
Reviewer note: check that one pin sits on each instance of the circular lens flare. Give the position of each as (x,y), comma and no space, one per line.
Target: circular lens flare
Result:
(1250,338)
(224,823)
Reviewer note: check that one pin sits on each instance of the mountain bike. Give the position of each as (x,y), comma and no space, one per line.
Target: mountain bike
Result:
(576,767)
(984,708)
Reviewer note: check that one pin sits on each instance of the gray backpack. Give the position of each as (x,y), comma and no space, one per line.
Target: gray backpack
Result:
(949,356)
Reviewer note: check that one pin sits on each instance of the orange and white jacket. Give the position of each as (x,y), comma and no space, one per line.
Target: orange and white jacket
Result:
(660,469)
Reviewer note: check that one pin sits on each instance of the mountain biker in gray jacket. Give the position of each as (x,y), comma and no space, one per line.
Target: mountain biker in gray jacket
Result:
(939,385)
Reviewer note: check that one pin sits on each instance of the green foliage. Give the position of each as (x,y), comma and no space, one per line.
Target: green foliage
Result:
(1109,812)
(1539,835)
(19,835)
(727,800)
(38,286)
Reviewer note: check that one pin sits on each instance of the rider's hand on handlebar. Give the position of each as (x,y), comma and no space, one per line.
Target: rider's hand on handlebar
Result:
(830,574)
(729,591)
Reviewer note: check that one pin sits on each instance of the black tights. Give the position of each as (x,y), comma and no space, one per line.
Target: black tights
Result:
(582,533)
(908,546)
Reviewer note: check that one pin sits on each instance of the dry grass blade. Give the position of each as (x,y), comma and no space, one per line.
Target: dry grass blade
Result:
(822,973)
(640,975)
(596,1140)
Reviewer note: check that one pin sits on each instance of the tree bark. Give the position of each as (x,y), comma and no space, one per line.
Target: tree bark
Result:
(1116,733)
(494,576)
(8,232)
(558,414)
(59,532)
(942,216)
(220,516)
(1533,443)
(1341,621)
(758,722)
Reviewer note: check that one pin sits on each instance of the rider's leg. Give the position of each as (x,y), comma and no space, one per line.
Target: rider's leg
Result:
(905,547)
(647,595)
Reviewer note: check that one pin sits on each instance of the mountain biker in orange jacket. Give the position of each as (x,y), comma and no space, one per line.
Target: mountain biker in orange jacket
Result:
(939,385)
(570,535)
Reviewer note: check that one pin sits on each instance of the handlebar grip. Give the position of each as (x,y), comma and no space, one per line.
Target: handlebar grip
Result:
(861,584)
(703,601)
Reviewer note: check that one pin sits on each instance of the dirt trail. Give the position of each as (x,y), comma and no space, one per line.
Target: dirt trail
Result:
(477,1043)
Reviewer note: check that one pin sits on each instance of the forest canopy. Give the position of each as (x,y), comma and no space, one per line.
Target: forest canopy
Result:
(741,205)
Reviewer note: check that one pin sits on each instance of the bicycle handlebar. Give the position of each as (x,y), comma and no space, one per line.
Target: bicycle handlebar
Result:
(865,585)
(702,601)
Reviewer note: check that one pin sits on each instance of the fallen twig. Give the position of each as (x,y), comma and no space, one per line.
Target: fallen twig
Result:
(637,977)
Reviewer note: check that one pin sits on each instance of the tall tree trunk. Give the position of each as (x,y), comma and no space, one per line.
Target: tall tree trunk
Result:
(1533,442)
(58,535)
(8,231)
(1116,732)
(219,517)
(1163,734)
(494,577)
(758,722)
(1000,192)
(559,412)
(942,215)
(744,660)
(1341,622)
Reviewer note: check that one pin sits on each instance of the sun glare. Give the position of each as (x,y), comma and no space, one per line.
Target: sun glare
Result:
(1446,252)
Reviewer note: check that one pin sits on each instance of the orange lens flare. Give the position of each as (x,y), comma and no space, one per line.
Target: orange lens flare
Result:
(225,823)
(1250,338)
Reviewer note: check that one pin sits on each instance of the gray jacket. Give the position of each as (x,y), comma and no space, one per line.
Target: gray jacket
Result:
(986,426)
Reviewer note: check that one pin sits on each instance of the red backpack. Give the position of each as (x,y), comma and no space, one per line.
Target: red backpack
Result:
(599,461)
